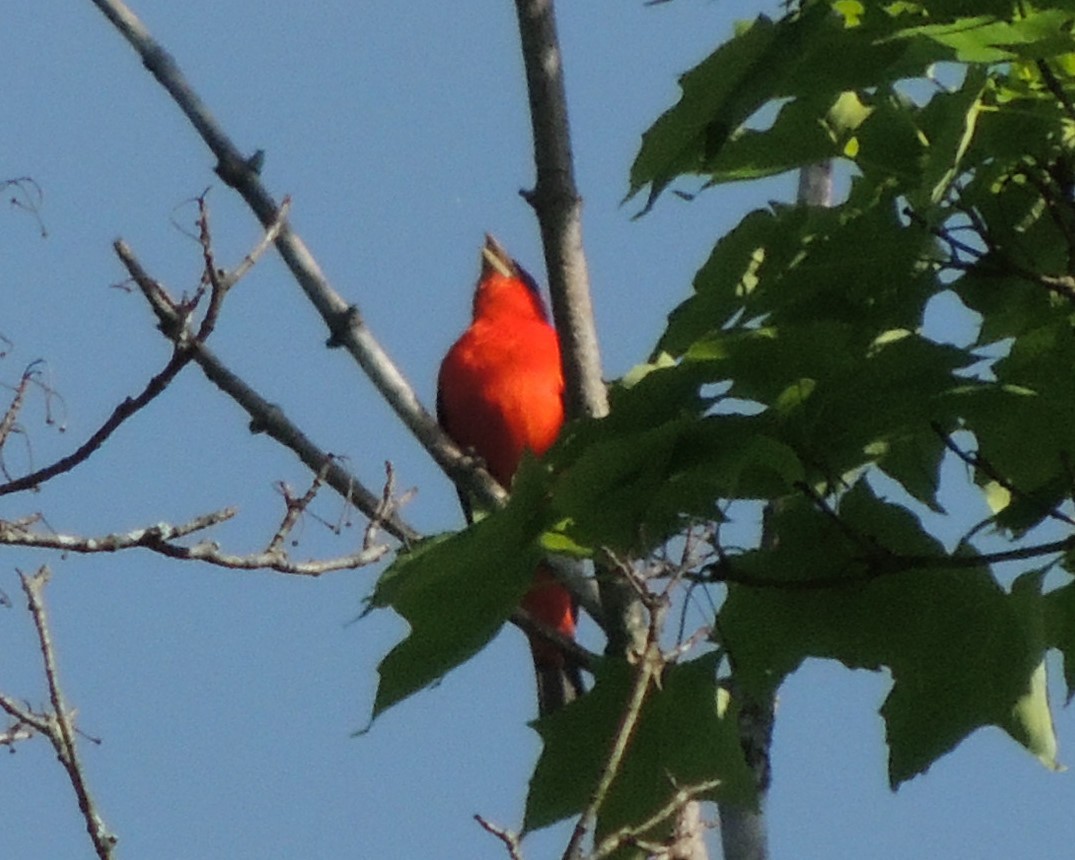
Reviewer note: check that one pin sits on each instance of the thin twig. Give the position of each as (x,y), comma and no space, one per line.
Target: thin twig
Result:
(161,538)
(265,417)
(630,835)
(980,464)
(7,422)
(268,238)
(61,730)
(649,666)
(385,506)
(295,509)
(24,715)
(129,407)
(18,731)
(29,198)
(993,263)
(509,837)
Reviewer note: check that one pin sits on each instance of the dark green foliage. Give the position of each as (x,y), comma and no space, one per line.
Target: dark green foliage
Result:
(686,734)
(797,373)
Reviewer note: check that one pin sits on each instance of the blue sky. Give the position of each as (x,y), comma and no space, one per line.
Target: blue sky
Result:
(226,701)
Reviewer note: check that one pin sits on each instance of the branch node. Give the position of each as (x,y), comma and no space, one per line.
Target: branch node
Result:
(236,172)
(341,324)
(261,422)
(256,161)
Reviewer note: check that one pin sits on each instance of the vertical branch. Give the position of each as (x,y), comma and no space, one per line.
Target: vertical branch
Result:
(559,211)
(743,831)
(815,185)
(60,729)
(558,206)
(556,201)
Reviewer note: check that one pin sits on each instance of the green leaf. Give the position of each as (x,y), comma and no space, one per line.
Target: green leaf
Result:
(987,40)
(609,491)
(1023,422)
(717,95)
(810,57)
(851,264)
(949,122)
(841,403)
(629,480)
(686,735)
(723,285)
(1031,721)
(799,136)
(962,653)
(611,473)
(1009,305)
(455,593)
(1060,630)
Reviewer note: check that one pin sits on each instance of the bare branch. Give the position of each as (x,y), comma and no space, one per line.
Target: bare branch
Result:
(295,509)
(509,837)
(59,726)
(27,720)
(129,407)
(265,417)
(344,321)
(161,538)
(267,239)
(7,422)
(648,668)
(18,731)
(815,184)
(556,201)
(679,801)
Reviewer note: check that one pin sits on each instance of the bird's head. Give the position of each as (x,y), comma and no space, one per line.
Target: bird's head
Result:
(504,287)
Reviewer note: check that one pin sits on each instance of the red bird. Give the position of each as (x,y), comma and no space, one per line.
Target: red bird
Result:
(500,392)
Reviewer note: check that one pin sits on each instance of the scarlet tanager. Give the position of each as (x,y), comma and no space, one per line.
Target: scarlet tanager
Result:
(500,392)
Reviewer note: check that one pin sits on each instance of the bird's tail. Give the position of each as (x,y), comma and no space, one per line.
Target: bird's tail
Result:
(556,686)
(559,680)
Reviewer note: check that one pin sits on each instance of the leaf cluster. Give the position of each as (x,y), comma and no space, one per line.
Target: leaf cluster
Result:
(801,374)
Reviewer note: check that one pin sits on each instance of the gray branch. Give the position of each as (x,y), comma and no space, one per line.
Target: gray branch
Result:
(344,320)
(556,201)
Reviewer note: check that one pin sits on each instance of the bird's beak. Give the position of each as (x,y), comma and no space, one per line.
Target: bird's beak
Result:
(495,258)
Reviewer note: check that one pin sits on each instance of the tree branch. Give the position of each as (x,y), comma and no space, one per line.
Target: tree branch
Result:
(509,837)
(161,538)
(131,405)
(556,201)
(680,800)
(58,726)
(648,668)
(344,321)
(558,207)
(265,417)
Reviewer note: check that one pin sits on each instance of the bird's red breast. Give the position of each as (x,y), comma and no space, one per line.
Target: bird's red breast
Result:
(500,393)
(501,390)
